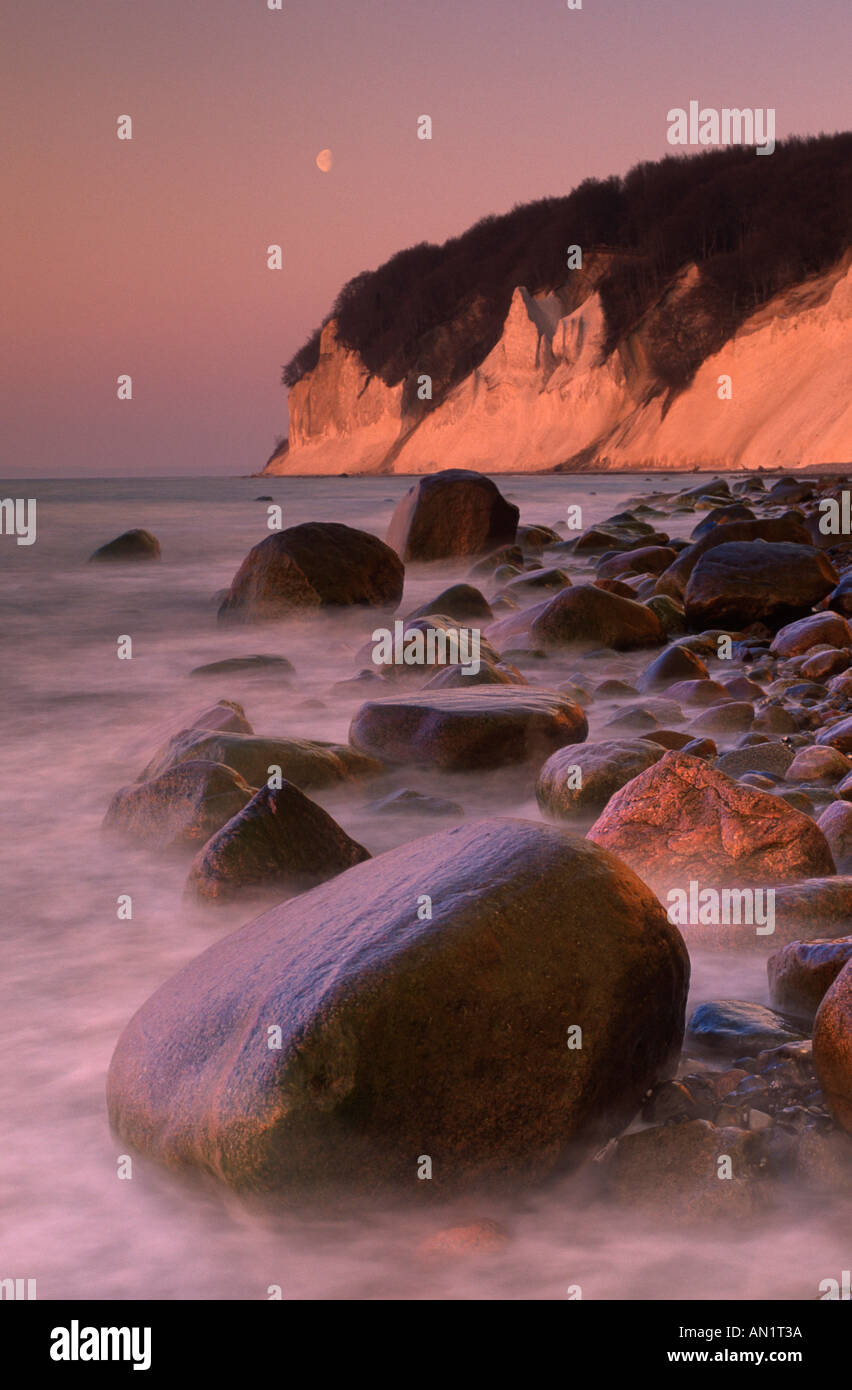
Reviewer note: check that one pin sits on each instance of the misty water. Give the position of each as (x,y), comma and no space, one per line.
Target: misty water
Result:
(78,723)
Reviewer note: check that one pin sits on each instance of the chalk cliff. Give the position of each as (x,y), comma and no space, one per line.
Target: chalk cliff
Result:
(707,324)
(548,396)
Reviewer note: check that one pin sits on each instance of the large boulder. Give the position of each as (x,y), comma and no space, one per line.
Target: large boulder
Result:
(791,529)
(341,1036)
(460,730)
(454,512)
(752,581)
(281,840)
(130,545)
(682,821)
(181,808)
(585,777)
(317,565)
(833,1047)
(583,616)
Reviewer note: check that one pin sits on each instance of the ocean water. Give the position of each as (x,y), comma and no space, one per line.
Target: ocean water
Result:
(77,723)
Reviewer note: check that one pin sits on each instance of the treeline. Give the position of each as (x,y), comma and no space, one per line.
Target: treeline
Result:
(756,225)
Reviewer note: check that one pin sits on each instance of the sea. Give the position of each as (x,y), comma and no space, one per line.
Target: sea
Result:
(78,723)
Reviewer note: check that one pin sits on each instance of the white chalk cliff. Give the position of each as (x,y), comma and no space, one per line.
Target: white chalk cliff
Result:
(548,396)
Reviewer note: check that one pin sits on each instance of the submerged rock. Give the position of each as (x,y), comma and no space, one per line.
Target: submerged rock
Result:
(301,761)
(739,1028)
(458,603)
(320,564)
(131,545)
(403,1033)
(281,840)
(276,665)
(181,808)
(458,730)
(454,512)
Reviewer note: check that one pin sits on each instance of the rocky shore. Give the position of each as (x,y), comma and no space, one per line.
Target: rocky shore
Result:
(499,1000)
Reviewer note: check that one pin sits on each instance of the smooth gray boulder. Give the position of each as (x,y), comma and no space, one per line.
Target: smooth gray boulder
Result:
(341,1036)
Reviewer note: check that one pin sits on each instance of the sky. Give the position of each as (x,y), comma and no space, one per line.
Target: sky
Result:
(148,257)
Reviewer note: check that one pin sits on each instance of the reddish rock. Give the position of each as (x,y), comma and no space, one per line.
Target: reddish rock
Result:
(477,1238)
(833,1047)
(454,512)
(682,820)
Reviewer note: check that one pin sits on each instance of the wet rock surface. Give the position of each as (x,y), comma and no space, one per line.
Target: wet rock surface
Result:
(393,1025)
(310,567)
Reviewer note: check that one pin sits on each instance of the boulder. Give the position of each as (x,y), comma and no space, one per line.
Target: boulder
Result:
(833,1047)
(584,616)
(774,757)
(131,545)
(836,825)
(408,802)
(460,603)
(459,730)
(280,841)
(181,808)
(752,581)
(275,665)
(675,579)
(317,565)
(585,777)
(674,664)
(454,512)
(403,1033)
(306,763)
(682,820)
(225,717)
(818,764)
(837,736)
(672,1171)
(818,629)
(647,559)
(802,972)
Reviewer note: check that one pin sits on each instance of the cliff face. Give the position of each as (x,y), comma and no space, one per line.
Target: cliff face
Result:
(549,395)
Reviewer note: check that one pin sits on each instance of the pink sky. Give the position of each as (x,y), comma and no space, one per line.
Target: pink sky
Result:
(149,256)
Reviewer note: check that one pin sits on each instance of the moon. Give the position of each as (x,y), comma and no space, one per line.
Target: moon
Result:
(324,160)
